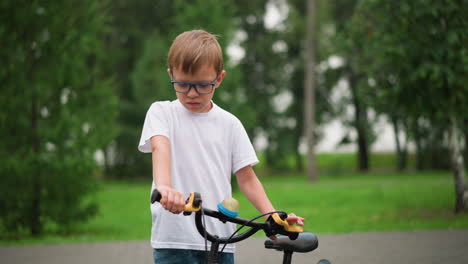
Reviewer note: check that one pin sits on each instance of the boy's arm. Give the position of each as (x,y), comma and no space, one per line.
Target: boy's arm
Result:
(252,188)
(171,200)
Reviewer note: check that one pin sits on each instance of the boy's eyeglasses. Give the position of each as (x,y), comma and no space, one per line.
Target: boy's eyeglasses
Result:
(201,87)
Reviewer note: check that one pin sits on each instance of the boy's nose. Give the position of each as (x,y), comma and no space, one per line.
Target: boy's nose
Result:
(192,92)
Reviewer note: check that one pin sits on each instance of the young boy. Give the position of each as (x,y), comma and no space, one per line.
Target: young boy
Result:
(195,146)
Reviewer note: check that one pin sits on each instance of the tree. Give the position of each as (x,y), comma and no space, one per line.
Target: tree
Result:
(350,49)
(427,43)
(58,109)
(262,76)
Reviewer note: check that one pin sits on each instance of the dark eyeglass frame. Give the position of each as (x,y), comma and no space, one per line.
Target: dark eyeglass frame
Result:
(194,85)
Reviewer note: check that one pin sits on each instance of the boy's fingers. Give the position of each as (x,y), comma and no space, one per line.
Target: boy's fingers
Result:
(179,203)
(174,202)
(170,201)
(294,219)
(164,193)
(300,221)
(163,200)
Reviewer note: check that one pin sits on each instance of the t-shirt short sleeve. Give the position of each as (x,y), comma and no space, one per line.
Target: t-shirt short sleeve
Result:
(156,124)
(243,153)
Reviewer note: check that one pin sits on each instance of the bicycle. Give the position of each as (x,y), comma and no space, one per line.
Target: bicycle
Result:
(292,238)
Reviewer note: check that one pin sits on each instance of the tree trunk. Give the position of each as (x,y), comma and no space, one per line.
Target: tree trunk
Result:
(35,216)
(361,124)
(465,128)
(401,150)
(34,220)
(458,168)
(309,87)
(419,146)
(363,145)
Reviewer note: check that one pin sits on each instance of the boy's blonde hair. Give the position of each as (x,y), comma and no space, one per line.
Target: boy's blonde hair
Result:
(193,49)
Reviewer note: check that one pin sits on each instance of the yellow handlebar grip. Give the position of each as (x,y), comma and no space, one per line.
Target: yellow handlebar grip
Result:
(286,225)
(193,203)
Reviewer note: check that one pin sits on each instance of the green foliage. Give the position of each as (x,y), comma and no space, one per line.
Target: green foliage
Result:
(415,53)
(428,43)
(61,185)
(211,15)
(150,78)
(58,109)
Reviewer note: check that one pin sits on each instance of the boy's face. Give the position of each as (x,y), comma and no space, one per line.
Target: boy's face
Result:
(192,100)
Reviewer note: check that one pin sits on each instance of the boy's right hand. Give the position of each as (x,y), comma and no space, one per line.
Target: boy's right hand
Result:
(171,200)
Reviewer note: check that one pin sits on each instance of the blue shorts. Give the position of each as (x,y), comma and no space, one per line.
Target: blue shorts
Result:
(183,256)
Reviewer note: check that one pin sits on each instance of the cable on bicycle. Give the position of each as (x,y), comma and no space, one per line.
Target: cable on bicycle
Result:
(244,225)
(204,228)
(207,253)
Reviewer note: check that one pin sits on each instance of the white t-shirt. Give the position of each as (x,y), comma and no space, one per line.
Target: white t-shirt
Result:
(206,148)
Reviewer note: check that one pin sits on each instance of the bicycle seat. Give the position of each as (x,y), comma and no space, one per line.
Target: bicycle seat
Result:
(305,242)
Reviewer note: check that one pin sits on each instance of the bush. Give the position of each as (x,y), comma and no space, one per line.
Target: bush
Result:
(35,191)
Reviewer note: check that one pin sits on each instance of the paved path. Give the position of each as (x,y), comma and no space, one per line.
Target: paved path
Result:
(425,247)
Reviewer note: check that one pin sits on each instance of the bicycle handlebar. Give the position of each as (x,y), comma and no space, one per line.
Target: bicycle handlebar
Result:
(275,224)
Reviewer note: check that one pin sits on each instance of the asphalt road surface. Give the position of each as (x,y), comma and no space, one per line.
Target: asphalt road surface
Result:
(424,247)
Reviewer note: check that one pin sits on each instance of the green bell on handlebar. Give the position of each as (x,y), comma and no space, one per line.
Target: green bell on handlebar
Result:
(229,207)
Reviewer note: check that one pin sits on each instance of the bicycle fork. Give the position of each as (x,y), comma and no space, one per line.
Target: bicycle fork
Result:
(213,255)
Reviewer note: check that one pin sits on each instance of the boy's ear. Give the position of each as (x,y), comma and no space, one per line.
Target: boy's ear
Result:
(169,72)
(220,78)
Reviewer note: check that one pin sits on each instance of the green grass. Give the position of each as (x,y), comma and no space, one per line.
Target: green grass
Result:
(357,202)
(377,202)
(341,164)
(123,215)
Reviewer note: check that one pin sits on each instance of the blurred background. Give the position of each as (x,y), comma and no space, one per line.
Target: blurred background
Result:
(384,97)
